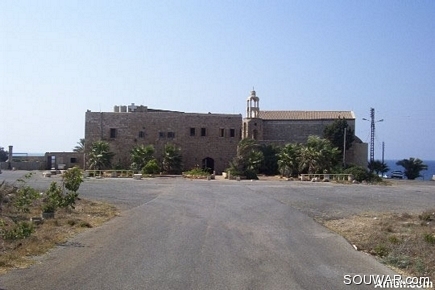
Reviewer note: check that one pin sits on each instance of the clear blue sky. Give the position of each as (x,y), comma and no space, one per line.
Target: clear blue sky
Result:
(60,58)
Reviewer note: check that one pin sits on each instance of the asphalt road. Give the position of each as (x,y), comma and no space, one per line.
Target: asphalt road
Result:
(180,234)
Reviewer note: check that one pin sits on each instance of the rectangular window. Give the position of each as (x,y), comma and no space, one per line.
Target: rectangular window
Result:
(171,134)
(73,160)
(141,134)
(192,132)
(232,133)
(203,132)
(113,133)
(221,132)
(162,135)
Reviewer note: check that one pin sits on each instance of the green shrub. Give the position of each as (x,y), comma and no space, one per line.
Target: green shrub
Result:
(20,231)
(25,196)
(359,173)
(393,239)
(381,250)
(72,222)
(399,261)
(250,174)
(426,216)
(430,238)
(233,172)
(152,167)
(197,172)
(84,224)
(72,178)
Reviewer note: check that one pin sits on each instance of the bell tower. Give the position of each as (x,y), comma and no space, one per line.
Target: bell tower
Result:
(252,124)
(252,105)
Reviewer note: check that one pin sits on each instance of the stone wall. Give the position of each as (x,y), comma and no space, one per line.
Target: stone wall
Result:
(35,163)
(357,154)
(64,160)
(123,131)
(281,132)
(295,131)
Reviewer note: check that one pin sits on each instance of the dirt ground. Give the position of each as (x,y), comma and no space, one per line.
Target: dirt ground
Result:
(405,242)
(20,253)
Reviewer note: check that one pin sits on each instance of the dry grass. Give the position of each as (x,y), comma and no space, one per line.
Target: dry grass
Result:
(51,232)
(406,242)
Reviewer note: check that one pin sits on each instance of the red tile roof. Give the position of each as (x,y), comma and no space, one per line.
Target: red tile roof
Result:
(305,115)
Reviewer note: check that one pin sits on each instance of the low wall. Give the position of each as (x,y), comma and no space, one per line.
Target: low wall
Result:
(24,165)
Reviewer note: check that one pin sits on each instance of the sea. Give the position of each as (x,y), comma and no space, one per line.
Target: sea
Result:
(426,174)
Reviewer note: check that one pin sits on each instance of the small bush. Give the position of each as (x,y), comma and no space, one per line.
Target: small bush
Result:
(84,224)
(359,173)
(430,238)
(381,250)
(393,239)
(426,216)
(399,261)
(197,172)
(152,167)
(250,174)
(20,231)
(420,267)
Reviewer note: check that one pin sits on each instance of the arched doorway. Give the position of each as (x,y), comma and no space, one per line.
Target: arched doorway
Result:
(208,164)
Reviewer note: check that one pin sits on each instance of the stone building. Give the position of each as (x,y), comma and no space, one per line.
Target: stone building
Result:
(209,140)
(282,127)
(206,140)
(51,160)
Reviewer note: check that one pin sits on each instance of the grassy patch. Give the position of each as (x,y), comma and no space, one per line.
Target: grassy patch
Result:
(403,241)
(18,253)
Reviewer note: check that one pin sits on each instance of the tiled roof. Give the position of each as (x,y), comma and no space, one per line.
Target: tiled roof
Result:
(305,115)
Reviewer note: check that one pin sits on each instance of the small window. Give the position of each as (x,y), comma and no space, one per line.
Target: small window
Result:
(203,132)
(221,132)
(141,134)
(171,134)
(232,133)
(192,132)
(162,135)
(113,133)
(73,160)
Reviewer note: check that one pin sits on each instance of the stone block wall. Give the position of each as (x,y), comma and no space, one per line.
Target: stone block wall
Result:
(64,159)
(198,135)
(295,130)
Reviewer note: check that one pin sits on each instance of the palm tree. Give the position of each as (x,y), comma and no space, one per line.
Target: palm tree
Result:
(100,156)
(141,155)
(288,159)
(412,167)
(172,159)
(269,165)
(80,148)
(249,157)
(378,167)
(318,155)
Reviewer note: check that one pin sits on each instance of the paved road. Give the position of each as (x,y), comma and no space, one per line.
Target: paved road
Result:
(180,234)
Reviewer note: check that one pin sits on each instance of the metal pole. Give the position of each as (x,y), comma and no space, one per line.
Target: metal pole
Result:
(372,135)
(344,149)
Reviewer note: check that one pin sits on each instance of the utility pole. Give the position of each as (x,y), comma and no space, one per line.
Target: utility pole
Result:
(372,133)
(344,149)
(383,150)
